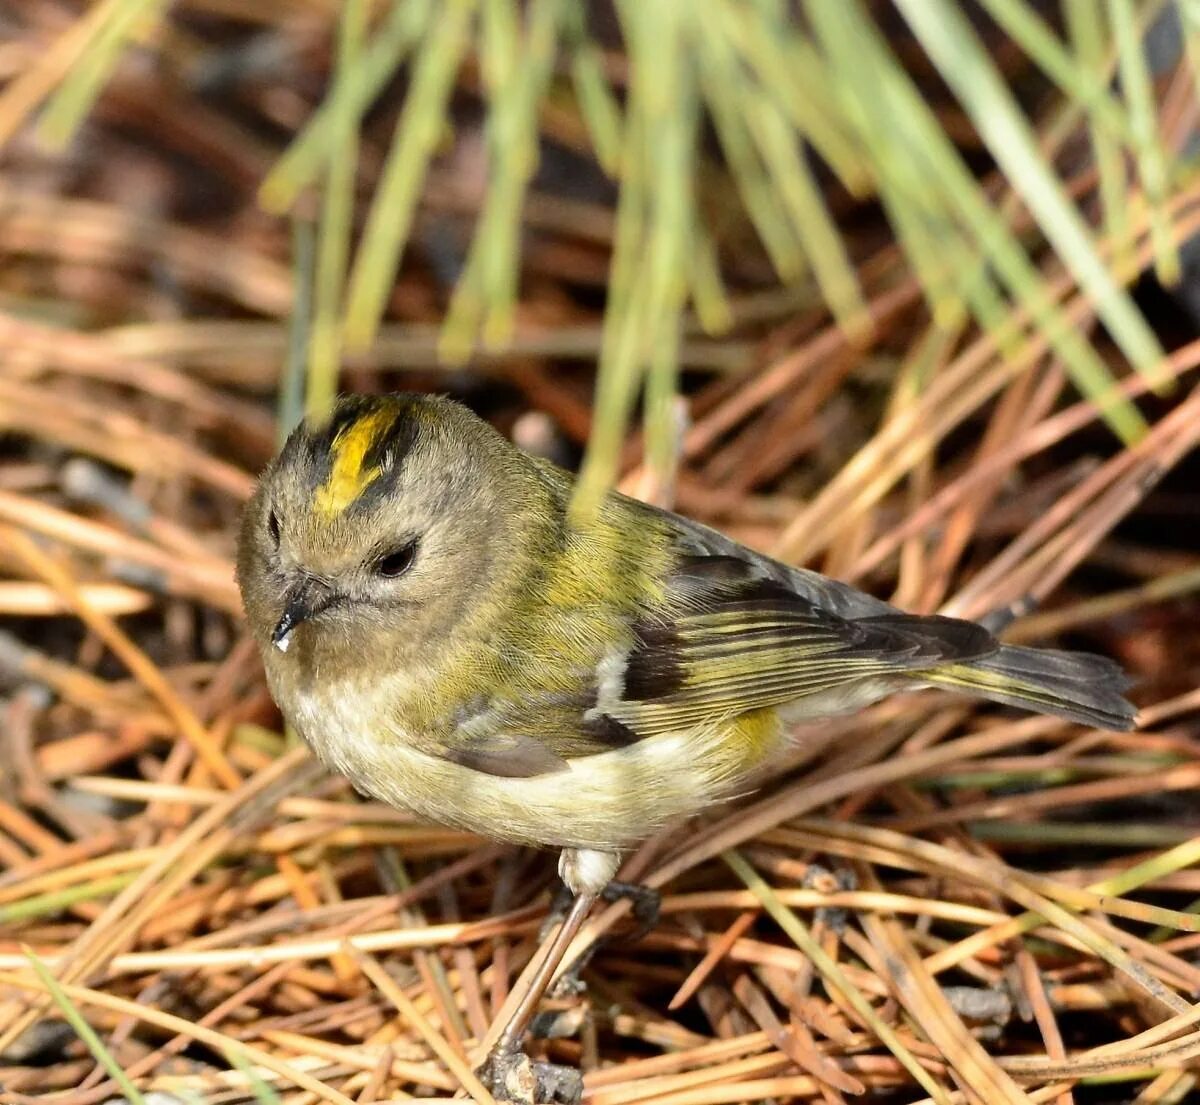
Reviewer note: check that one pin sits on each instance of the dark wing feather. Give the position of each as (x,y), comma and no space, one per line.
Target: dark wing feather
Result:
(731,639)
(713,555)
(509,755)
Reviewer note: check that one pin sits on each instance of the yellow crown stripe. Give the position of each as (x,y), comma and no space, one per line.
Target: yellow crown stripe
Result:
(348,478)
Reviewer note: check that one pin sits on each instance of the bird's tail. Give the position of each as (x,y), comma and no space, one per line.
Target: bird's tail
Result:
(1073,685)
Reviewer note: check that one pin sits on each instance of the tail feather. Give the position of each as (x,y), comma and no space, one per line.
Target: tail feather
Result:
(1074,685)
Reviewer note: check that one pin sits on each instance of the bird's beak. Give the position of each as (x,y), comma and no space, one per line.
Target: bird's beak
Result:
(307,599)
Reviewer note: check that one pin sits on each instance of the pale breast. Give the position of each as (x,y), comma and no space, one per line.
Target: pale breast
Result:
(607,801)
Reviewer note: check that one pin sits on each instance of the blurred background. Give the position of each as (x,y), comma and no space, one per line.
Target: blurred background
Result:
(902,290)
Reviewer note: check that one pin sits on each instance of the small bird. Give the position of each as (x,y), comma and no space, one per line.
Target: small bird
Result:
(436,628)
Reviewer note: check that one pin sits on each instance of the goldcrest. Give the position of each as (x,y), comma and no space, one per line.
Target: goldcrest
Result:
(436,629)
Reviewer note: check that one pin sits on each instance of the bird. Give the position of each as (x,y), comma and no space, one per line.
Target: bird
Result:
(440,627)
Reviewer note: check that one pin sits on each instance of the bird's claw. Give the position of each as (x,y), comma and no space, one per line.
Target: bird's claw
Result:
(646,902)
(513,1077)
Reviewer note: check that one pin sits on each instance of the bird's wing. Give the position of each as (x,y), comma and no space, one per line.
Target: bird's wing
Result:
(735,632)
(693,539)
(536,733)
(730,640)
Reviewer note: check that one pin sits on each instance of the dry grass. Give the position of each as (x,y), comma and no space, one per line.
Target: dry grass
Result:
(935,902)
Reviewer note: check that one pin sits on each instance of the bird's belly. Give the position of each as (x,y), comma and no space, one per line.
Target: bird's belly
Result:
(608,801)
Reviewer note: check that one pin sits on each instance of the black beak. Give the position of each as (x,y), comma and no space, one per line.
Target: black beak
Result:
(304,601)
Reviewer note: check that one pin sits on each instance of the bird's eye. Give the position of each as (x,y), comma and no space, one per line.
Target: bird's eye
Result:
(273,526)
(397,562)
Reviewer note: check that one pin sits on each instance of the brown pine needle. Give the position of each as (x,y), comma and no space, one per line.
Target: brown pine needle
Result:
(436,1041)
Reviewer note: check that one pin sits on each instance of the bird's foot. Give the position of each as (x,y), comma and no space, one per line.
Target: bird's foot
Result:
(513,1077)
(647,905)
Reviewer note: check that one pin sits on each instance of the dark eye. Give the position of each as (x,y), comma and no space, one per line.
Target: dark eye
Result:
(397,562)
(273,526)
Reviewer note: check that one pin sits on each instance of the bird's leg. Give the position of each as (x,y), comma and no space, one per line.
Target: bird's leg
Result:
(645,900)
(504,1068)
(511,1034)
(560,905)
(510,1074)
(646,903)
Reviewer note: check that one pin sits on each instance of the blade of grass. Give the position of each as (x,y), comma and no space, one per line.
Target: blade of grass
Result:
(29,87)
(963,63)
(84,1031)
(795,79)
(377,65)
(42,905)
(718,70)
(84,80)
(292,384)
(393,206)
(709,300)
(1147,143)
(785,163)
(599,108)
(263,1091)
(898,114)
(1087,28)
(648,282)
(337,219)
(517,71)
(1080,81)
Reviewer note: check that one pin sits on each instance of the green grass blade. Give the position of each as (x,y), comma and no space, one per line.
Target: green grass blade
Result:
(718,71)
(963,63)
(84,1031)
(394,204)
(599,108)
(55,901)
(794,80)
(663,430)
(1147,144)
(488,285)
(802,200)
(378,64)
(932,171)
(655,214)
(290,406)
(1082,83)
(263,1091)
(84,82)
(1087,29)
(913,210)
(337,220)
(708,292)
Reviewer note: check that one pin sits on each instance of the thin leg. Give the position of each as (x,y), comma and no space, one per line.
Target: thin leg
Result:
(510,1036)
(511,1075)
(646,902)
(646,905)
(560,905)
